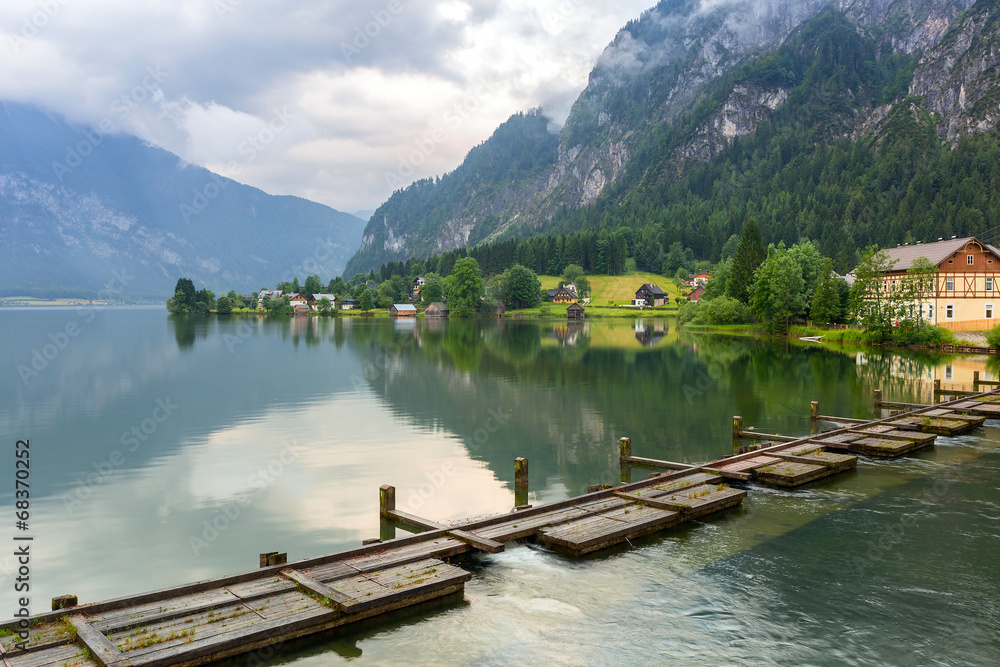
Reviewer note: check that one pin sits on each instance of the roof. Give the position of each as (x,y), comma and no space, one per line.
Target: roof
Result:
(575,306)
(653,289)
(331,297)
(936,252)
(439,305)
(406,307)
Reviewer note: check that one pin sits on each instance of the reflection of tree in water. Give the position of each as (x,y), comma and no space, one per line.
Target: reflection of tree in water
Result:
(190,327)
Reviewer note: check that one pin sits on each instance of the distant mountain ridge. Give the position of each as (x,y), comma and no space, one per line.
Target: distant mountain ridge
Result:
(79,207)
(668,96)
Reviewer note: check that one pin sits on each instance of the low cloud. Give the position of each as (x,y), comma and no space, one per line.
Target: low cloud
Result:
(365,80)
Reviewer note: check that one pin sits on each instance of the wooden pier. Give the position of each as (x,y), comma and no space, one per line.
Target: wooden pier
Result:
(213,620)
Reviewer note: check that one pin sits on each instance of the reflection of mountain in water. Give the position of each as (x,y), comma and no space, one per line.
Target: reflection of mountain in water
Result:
(566,406)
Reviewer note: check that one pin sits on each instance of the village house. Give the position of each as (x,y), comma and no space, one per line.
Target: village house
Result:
(316,298)
(436,309)
(696,293)
(297,299)
(264,293)
(402,310)
(576,312)
(964,295)
(650,295)
(701,278)
(347,303)
(563,295)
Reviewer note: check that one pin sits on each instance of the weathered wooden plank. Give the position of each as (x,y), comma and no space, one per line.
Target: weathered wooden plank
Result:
(655,503)
(746,465)
(55,656)
(598,532)
(792,473)
(100,646)
(337,600)
(477,541)
(656,463)
(146,613)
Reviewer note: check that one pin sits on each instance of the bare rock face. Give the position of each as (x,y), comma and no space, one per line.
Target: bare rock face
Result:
(674,57)
(958,78)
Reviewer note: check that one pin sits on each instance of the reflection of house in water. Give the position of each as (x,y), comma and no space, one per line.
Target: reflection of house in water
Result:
(650,333)
(570,333)
(952,371)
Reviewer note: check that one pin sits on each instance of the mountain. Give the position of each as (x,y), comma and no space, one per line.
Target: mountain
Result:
(85,213)
(691,86)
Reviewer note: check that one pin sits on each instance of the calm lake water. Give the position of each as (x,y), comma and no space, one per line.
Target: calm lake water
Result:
(145,430)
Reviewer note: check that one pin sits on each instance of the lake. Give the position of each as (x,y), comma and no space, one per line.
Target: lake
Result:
(167,450)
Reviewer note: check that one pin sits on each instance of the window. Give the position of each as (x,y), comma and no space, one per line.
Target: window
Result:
(969,259)
(989,284)
(989,311)
(949,284)
(949,372)
(930,312)
(949,311)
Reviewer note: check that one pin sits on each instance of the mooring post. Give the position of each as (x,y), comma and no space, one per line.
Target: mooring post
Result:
(520,481)
(273,558)
(937,387)
(386,499)
(737,427)
(975,381)
(64,602)
(625,449)
(814,410)
(878,398)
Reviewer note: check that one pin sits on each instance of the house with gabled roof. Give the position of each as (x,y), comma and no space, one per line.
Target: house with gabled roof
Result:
(651,295)
(965,292)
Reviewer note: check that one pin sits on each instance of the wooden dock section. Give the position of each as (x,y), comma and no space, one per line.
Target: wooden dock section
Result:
(209,621)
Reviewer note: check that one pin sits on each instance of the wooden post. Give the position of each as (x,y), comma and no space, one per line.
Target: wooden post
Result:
(64,602)
(937,387)
(814,410)
(975,380)
(878,397)
(520,481)
(737,426)
(386,499)
(273,558)
(625,445)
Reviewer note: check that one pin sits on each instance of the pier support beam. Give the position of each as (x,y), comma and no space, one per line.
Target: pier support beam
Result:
(975,381)
(878,398)
(520,481)
(814,410)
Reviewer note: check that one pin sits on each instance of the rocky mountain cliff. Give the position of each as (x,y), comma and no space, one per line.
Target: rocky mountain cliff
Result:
(87,214)
(677,87)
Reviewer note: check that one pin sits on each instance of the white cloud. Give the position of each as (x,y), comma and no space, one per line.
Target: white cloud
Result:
(365,81)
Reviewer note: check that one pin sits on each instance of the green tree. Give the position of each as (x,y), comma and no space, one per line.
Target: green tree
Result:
(224,306)
(826,302)
(572,273)
(325,306)
(750,254)
(313,285)
(466,289)
(918,285)
(582,287)
(295,287)
(369,299)
(776,293)
(521,287)
(872,302)
(433,289)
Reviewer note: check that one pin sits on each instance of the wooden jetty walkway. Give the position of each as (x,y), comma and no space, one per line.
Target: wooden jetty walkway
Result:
(213,620)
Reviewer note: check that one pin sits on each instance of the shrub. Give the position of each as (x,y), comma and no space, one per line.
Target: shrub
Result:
(993,337)
(723,310)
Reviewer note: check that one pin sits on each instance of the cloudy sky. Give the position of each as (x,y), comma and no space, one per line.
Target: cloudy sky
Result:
(335,100)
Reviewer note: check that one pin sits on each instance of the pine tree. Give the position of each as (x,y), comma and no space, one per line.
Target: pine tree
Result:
(750,254)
